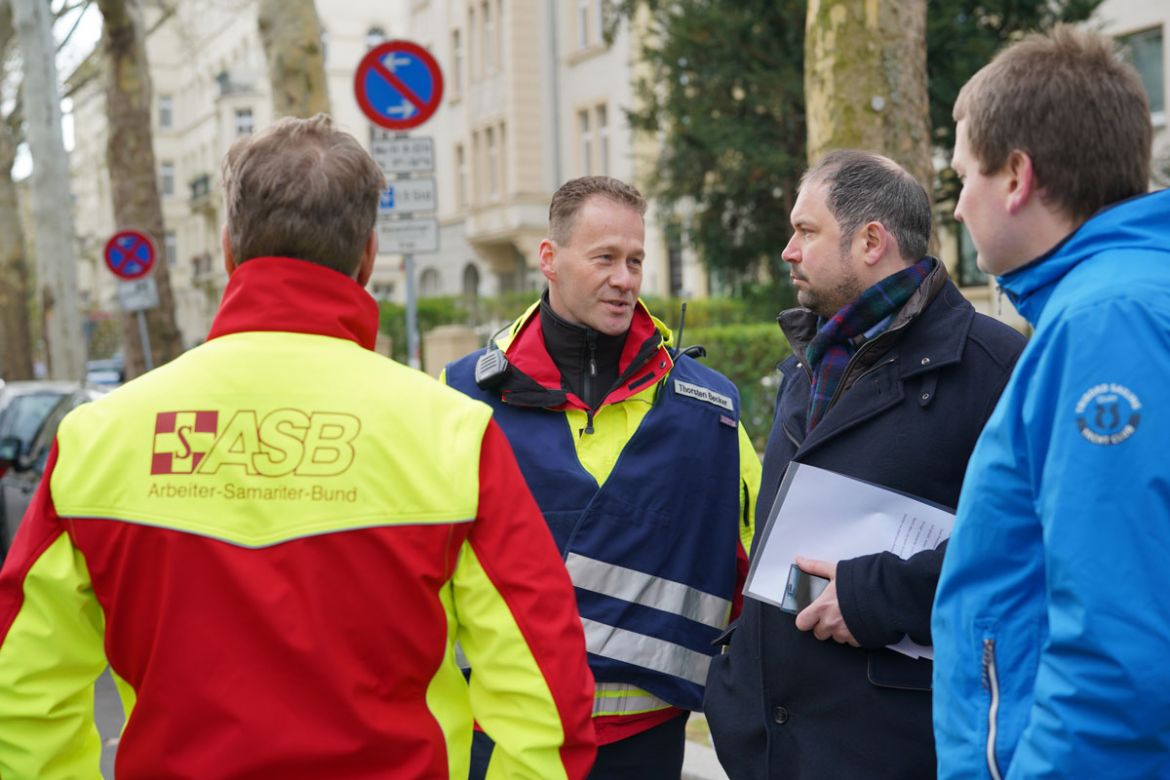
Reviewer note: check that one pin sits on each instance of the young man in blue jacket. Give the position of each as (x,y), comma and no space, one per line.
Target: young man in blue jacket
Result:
(1051,648)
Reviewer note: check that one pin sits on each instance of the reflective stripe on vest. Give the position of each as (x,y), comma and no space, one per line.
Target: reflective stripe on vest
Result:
(624,699)
(646,651)
(649,591)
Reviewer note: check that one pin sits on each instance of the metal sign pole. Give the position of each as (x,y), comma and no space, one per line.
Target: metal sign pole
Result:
(411,313)
(144,337)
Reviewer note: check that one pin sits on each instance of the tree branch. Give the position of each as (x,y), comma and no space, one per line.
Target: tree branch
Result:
(84,6)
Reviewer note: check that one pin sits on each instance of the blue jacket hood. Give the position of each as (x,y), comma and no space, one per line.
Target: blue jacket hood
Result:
(1142,222)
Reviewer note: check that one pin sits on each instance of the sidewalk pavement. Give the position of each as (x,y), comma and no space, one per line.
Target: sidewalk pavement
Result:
(699,763)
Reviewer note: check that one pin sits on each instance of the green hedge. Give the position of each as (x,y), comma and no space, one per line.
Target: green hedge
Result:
(747,355)
(742,339)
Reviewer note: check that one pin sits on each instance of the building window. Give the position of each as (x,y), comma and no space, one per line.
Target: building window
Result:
(500,34)
(375,36)
(472,44)
(476,169)
(493,163)
(489,38)
(460,177)
(503,158)
(456,63)
(586,148)
(244,121)
(969,273)
(603,140)
(167,179)
(170,248)
(674,258)
(166,112)
(1145,51)
(429,283)
(598,20)
(583,23)
(470,282)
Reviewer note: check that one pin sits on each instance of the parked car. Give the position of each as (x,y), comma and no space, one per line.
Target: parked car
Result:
(106,372)
(29,415)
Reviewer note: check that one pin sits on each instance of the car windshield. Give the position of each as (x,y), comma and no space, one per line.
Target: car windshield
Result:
(24,415)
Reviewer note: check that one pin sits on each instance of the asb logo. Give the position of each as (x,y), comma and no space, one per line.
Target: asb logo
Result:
(182,440)
(286,441)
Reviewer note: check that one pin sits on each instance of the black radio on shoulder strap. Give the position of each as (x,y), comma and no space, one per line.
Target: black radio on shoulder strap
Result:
(492,366)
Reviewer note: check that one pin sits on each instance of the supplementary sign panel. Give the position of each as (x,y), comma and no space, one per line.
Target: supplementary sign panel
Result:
(129,254)
(398,85)
(408,196)
(138,294)
(404,155)
(407,236)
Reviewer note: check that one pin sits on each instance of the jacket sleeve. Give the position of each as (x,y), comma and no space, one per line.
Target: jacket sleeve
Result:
(884,597)
(749,488)
(1097,421)
(749,491)
(531,691)
(51,629)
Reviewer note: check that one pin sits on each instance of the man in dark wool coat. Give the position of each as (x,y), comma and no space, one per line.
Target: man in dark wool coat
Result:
(892,376)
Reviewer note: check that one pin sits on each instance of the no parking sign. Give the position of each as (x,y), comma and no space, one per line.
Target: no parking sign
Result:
(129,254)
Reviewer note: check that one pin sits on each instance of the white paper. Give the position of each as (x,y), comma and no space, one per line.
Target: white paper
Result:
(824,515)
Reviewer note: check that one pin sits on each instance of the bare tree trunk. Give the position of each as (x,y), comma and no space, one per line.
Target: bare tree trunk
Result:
(865,81)
(15,337)
(133,178)
(291,33)
(51,198)
(16,361)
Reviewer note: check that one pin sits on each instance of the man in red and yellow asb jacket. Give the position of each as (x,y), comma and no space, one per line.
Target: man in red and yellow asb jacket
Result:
(276,540)
(645,476)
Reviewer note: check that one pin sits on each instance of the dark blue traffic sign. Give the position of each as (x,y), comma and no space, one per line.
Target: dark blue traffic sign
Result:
(129,254)
(398,85)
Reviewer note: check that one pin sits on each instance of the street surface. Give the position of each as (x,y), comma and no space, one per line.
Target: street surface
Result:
(107,711)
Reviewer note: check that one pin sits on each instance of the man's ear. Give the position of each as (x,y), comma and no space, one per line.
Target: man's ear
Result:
(876,242)
(1021,180)
(369,254)
(229,257)
(548,253)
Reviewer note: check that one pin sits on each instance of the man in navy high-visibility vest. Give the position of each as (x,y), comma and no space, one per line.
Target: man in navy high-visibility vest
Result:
(637,458)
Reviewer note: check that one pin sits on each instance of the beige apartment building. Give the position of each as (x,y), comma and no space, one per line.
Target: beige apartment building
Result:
(1142,29)
(210,87)
(533,97)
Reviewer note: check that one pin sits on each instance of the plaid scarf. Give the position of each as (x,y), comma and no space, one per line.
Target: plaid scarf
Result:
(839,337)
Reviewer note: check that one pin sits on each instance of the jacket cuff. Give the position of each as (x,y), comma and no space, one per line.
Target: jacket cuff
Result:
(852,574)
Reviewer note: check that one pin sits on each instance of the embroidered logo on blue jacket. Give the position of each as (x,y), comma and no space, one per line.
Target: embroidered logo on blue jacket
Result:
(1108,414)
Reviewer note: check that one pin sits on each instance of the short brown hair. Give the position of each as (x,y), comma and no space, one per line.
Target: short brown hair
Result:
(1067,101)
(568,200)
(301,188)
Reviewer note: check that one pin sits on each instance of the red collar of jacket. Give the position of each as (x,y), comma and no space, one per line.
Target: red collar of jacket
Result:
(295,296)
(644,359)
